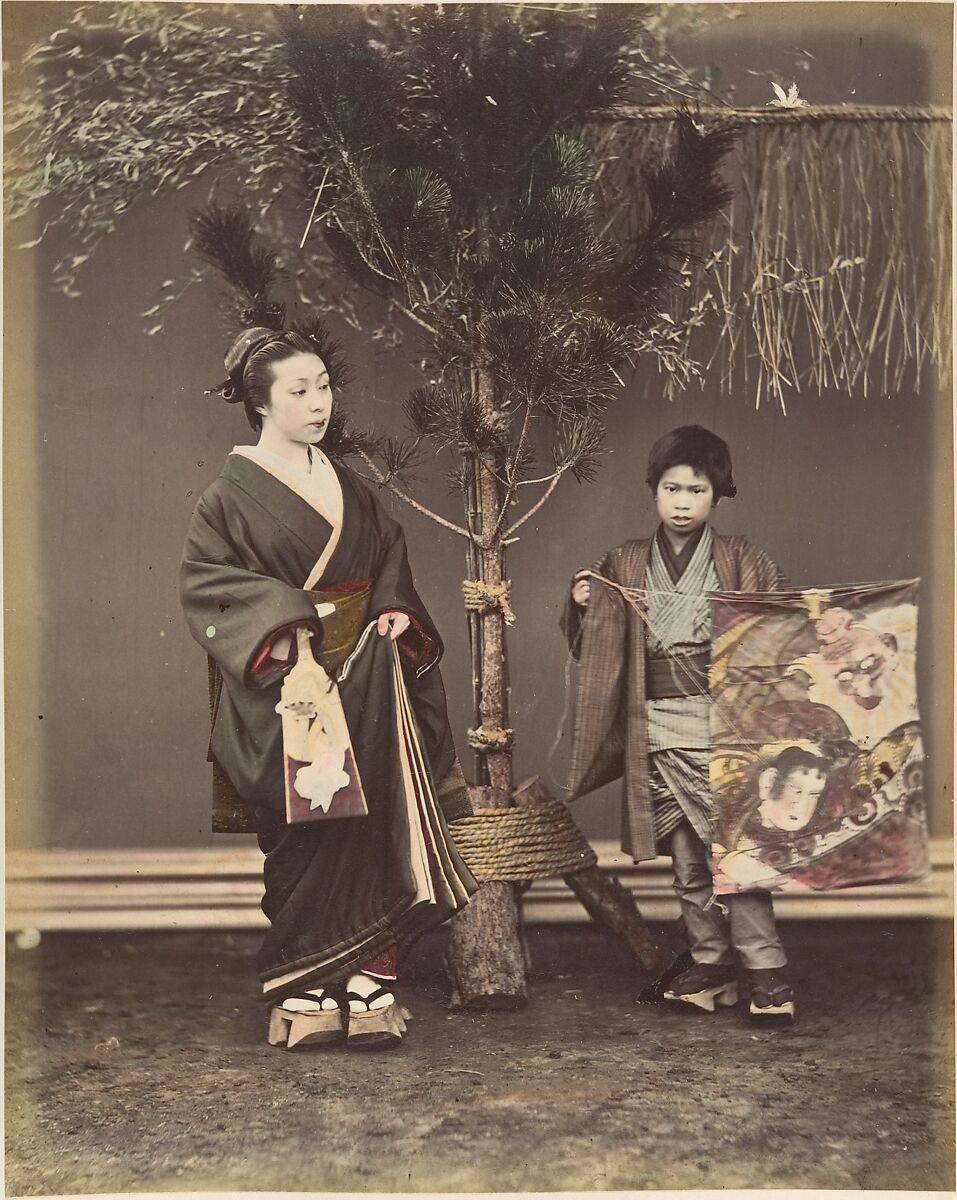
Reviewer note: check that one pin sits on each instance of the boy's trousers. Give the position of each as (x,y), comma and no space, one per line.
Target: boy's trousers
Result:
(748,929)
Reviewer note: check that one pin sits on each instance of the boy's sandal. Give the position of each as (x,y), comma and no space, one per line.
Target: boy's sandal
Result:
(375,1028)
(292,1026)
(772,999)
(705,985)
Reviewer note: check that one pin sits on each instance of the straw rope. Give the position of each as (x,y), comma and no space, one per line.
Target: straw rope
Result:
(515,845)
(490,739)
(485,597)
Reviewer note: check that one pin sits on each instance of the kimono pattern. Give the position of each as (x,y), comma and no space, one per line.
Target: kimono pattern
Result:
(609,638)
(336,892)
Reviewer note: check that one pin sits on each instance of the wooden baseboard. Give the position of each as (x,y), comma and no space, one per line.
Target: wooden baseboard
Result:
(221,889)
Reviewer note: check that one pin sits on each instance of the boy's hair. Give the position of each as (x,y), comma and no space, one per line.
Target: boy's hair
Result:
(696,447)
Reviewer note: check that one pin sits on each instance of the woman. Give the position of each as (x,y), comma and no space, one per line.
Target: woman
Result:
(288,540)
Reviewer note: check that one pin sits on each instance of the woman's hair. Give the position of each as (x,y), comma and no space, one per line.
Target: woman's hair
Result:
(795,758)
(696,447)
(249,364)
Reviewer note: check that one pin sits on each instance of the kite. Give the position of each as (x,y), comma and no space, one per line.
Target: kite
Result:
(816,754)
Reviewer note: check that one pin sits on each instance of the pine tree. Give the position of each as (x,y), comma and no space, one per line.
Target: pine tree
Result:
(450,176)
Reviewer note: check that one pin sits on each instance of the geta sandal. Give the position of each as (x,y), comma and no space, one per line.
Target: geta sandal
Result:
(704,986)
(315,1027)
(375,1028)
(772,998)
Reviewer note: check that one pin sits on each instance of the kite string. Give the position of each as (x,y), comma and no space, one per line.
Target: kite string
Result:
(636,598)
(569,663)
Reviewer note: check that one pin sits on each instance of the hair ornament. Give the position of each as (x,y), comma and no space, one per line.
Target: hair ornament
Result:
(268,316)
(225,391)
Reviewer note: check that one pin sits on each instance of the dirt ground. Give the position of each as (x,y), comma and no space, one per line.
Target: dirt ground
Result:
(139,1063)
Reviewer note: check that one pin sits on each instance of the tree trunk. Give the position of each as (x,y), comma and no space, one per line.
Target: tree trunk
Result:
(486,959)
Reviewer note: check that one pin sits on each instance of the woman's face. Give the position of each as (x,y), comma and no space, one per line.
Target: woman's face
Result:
(300,399)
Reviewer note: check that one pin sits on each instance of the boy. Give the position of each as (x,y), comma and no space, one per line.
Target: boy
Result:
(639,623)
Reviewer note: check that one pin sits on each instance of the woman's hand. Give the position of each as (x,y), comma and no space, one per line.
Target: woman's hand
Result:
(581,589)
(393,623)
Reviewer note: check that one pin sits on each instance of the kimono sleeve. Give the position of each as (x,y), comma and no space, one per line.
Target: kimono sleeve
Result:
(573,615)
(769,575)
(232,610)
(601,702)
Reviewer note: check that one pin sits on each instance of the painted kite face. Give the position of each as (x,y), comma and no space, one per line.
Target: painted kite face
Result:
(794,800)
(861,678)
(856,656)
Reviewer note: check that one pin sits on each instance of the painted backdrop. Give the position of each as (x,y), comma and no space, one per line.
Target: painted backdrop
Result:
(110,441)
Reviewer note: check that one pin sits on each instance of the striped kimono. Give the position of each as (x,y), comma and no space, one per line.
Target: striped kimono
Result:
(678,635)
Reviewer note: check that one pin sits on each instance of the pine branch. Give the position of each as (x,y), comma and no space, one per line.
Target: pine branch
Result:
(383,479)
(400,456)
(684,192)
(539,503)
(511,473)
(578,444)
(342,439)
(435,412)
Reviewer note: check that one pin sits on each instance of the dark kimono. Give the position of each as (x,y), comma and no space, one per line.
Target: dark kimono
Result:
(260,552)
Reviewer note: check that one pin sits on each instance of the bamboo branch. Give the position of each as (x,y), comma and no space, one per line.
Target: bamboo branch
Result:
(315,205)
(384,479)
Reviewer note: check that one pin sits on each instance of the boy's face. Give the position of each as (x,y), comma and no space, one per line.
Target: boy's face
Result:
(684,499)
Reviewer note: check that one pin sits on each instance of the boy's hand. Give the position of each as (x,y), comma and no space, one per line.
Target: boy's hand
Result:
(581,589)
